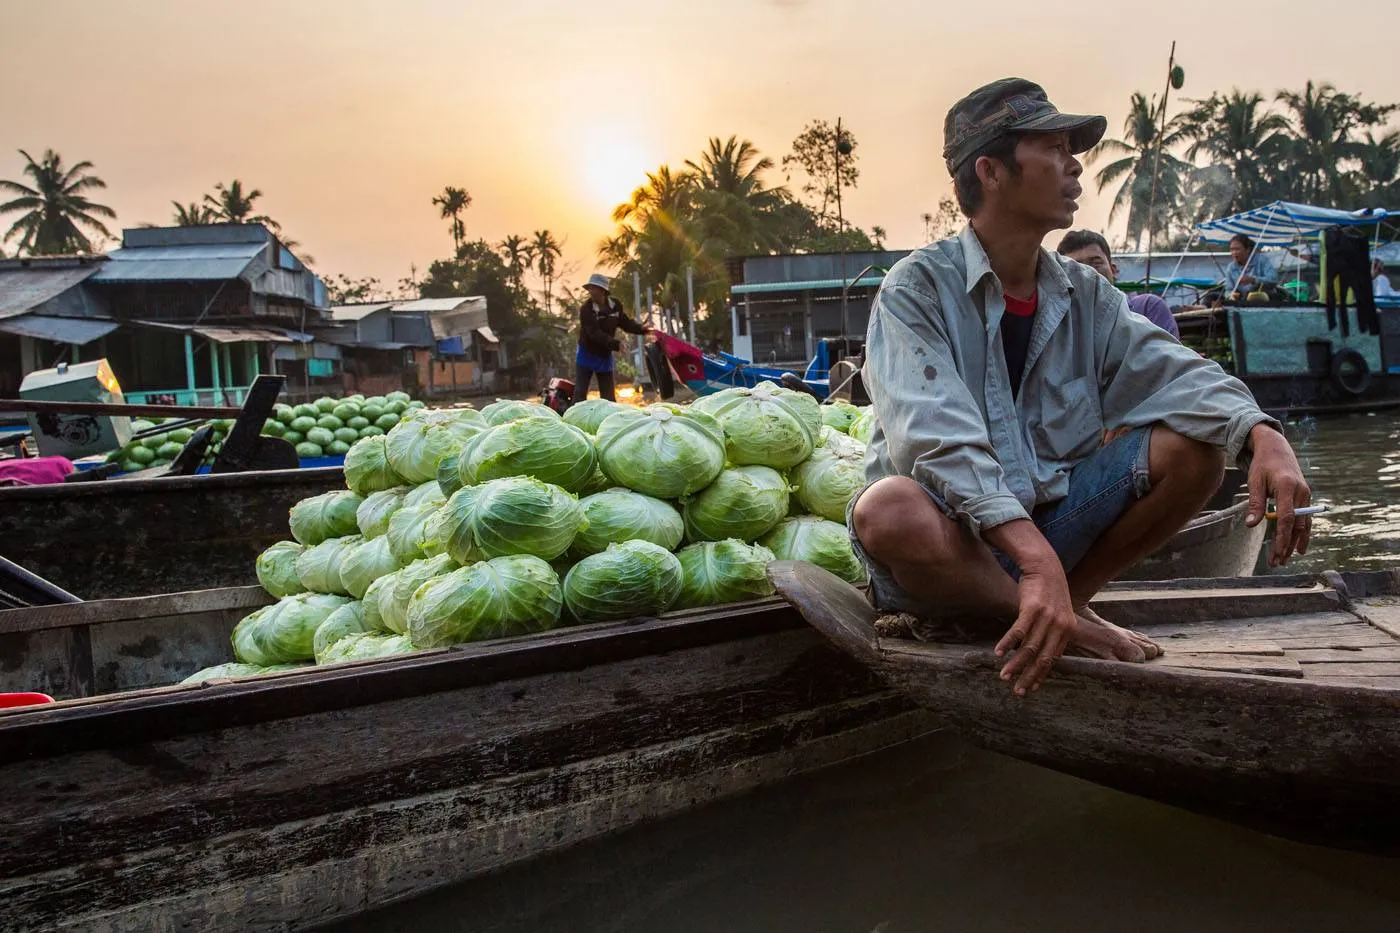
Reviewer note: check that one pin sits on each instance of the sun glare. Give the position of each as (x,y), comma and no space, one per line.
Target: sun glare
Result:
(613,168)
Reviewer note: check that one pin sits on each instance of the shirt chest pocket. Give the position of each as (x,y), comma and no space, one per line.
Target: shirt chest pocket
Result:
(1065,420)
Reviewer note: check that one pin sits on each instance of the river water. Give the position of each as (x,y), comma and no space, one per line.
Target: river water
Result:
(939,836)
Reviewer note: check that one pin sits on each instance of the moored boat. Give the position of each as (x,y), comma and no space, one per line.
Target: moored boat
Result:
(1276,703)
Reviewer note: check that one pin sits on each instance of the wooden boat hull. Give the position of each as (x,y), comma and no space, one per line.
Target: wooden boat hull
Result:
(1307,749)
(284,801)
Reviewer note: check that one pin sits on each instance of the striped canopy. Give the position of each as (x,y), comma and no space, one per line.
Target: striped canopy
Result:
(1282,222)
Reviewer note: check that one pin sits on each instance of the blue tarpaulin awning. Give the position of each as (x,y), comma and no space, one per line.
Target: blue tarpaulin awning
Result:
(1282,222)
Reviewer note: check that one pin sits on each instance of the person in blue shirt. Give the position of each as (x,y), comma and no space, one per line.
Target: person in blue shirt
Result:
(600,318)
(1247,271)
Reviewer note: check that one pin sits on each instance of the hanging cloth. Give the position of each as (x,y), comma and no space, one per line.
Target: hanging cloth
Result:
(1346,274)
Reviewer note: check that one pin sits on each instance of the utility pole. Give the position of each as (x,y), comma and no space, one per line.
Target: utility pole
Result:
(690,299)
(1176,76)
(842,147)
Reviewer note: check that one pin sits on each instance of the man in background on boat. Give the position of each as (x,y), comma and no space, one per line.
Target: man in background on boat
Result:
(994,366)
(1380,282)
(600,318)
(1248,270)
(1092,250)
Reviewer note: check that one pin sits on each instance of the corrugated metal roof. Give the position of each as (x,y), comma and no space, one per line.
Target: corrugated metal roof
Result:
(195,262)
(22,290)
(358,312)
(384,345)
(223,333)
(440,304)
(809,285)
(74,330)
(487,334)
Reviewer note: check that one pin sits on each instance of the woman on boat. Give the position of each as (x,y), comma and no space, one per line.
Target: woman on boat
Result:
(600,318)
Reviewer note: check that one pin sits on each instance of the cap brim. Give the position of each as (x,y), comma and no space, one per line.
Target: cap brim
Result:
(1084,131)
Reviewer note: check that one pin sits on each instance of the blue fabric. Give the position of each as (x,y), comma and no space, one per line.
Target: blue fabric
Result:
(599,364)
(1100,490)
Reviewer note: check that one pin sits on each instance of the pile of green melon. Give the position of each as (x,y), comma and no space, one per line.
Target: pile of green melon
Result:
(327,427)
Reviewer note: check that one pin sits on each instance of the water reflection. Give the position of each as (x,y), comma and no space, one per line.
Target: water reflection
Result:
(932,836)
(1353,464)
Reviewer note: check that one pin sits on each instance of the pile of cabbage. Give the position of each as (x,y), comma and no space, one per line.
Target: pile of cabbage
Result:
(460,525)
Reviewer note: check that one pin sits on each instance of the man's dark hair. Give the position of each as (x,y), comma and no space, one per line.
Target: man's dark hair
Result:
(1244,241)
(967,187)
(1076,240)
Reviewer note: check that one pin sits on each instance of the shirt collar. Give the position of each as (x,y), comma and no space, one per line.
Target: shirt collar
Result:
(979,266)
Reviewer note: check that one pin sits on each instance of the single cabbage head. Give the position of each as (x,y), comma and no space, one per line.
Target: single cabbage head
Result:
(494,598)
(619,515)
(370,604)
(374,512)
(365,646)
(429,493)
(277,569)
(827,482)
(417,445)
(329,515)
(367,467)
(318,567)
(817,541)
(863,428)
(589,413)
(769,426)
(718,572)
(662,450)
(349,619)
(394,596)
(364,563)
(545,448)
(408,532)
(841,444)
(504,409)
(515,515)
(635,578)
(285,631)
(746,502)
(839,414)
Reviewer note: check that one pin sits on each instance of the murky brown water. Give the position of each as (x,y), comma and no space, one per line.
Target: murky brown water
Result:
(939,836)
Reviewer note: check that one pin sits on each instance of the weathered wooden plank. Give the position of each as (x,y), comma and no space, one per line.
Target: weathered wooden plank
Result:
(1140,607)
(1357,654)
(102,611)
(1387,683)
(1231,663)
(1207,646)
(1352,669)
(1383,613)
(1257,628)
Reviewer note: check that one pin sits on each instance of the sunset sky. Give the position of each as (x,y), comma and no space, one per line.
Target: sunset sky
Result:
(351,115)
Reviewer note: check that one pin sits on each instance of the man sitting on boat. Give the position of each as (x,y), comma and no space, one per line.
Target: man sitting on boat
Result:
(1092,250)
(1248,271)
(994,366)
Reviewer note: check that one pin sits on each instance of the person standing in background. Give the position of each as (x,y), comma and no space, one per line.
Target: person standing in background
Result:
(1380,282)
(600,318)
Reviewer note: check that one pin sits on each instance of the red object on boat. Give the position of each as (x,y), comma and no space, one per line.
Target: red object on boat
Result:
(558,395)
(11,700)
(686,359)
(34,471)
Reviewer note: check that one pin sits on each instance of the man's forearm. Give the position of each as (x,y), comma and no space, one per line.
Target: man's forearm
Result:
(1023,543)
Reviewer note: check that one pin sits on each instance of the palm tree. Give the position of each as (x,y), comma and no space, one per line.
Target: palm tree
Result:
(230,204)
(519,255)
(546,250)
(1378,178)
(1325,121)
(193,214)
(1232,131)
(55,207)
(1139,153)
(452,202)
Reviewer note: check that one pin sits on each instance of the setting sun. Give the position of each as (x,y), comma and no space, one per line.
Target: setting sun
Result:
(613,168)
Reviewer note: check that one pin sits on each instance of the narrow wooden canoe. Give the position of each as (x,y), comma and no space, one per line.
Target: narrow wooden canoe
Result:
(123,538)
(280,802)
(1276,705)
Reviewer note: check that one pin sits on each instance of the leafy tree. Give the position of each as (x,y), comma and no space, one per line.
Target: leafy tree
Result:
(546,250)
(231,204)
(55,207)
(193,214)
(477,269)
(814,151)
(945,222)
(452,202)
(1138,154)
(1238,132)
(344,290)
(1377,180)
(1325,123)
(518,255)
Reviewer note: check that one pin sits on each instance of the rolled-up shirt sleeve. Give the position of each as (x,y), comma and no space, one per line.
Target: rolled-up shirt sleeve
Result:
(933,428)
(1146,377)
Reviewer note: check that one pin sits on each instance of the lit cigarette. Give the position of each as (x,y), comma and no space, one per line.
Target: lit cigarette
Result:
(1305,510)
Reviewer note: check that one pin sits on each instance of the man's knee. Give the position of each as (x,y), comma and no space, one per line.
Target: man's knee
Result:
(895,516)
(1185,459)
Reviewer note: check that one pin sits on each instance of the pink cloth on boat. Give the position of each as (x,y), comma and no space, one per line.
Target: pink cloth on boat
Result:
(34,471)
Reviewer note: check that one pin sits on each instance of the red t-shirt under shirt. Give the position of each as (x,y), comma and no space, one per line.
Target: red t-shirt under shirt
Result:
(1016,327)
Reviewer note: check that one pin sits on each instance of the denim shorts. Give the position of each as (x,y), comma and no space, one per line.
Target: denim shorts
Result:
(1101,488)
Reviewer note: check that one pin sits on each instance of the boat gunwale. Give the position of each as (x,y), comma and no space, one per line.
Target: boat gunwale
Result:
(159,484)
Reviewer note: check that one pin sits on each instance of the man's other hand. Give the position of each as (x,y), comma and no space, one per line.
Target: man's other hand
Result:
(1274,474)
(1042,630)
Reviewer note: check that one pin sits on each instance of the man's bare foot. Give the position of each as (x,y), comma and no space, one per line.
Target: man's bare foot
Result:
(1105,642)
(1149,648)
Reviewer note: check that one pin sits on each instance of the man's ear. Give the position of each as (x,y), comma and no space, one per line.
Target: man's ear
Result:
(988,172)
(1113,267)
